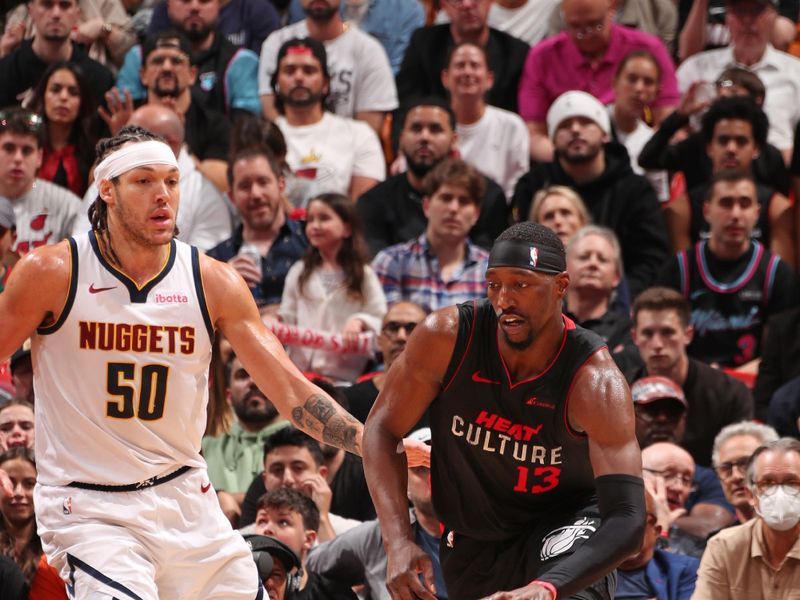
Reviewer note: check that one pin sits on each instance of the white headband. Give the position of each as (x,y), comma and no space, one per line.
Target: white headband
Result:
(132,156)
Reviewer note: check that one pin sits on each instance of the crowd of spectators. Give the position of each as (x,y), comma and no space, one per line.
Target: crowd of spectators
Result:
(354,161)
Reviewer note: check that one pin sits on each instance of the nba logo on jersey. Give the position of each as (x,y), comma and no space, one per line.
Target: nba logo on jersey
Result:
(67,506)
(534,257)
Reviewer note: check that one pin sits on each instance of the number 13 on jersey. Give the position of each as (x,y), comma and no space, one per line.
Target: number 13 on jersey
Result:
(141,395)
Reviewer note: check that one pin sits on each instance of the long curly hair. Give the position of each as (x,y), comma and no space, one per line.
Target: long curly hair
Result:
(98,210)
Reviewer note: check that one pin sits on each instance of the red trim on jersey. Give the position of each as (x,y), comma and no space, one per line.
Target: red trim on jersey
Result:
(568,325)
(466,350)
(577,434)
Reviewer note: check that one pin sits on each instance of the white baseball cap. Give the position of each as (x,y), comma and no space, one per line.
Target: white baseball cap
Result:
(577,104)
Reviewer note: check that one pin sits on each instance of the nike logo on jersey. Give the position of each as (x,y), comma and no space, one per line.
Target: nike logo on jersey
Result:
(476,377)
(205,487)
(94,290)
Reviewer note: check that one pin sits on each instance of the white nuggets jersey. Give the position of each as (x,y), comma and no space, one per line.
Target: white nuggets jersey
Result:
(121,378)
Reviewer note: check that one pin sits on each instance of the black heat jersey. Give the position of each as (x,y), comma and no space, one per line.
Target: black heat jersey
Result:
(505,457)
(728,315)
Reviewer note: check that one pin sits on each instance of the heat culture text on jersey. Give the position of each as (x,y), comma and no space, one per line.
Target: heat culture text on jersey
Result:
(494,434)
(127,337)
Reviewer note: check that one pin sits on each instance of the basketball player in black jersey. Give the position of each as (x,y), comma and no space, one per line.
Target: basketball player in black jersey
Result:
(536,473)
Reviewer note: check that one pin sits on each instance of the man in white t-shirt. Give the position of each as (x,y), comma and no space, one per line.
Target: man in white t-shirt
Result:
(44,212)
(493,140)
(326,152)
(751,23)
(361,80)
(527,20)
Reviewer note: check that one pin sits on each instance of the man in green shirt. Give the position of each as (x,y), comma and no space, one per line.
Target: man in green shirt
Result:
(236,457)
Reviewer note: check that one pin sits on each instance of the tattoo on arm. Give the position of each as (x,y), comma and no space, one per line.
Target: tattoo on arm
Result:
(339,428)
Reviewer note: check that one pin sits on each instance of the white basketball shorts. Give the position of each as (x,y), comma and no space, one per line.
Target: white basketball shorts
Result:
(166,542)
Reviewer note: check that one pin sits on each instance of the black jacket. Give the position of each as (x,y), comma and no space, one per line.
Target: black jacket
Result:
(689,157)
(22,69)
(391,213)
(715,400)
(620,200)
(421,71)
(780,358)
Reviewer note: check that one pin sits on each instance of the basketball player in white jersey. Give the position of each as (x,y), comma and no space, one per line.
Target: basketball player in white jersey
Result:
(122,320)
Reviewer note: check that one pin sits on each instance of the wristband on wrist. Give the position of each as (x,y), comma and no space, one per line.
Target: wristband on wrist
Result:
(547,585)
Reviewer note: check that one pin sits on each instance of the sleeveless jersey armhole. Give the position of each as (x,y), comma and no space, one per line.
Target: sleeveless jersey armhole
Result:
(570,429)
(466,327)
(201,294)
(73,286)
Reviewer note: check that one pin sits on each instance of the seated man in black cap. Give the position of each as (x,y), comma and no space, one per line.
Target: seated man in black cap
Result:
(276,563)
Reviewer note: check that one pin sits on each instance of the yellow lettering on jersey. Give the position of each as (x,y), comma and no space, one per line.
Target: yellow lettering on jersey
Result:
(137,337)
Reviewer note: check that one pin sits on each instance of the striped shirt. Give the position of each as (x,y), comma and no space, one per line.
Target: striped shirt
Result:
(410,271)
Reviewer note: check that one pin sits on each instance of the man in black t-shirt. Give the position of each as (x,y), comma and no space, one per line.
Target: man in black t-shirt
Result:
(535,469)
(53,22)
(391,211)
(662,331)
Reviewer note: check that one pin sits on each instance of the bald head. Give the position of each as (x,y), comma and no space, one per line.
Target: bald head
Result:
(588,23)
(672,464)
(160,120)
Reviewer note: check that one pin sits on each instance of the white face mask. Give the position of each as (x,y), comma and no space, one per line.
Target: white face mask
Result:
(779,508)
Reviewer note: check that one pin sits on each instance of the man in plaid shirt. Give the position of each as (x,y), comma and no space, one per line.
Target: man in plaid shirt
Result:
(441,267)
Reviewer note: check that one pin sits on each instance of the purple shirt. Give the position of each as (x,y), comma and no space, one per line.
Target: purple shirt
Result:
(541,84)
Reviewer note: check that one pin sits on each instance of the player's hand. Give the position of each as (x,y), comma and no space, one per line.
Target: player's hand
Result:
(418,454)
(316,488)
(532,591)
(406,562)
(120,109)
(5,484)
(249,271)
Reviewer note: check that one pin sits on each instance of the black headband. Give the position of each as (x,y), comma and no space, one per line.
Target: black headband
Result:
(524,255)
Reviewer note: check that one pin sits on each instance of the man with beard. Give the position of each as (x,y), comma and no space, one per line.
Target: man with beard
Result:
(398,323)
(256,189)
(53,22)
(169,77)
(660,408)
(226,75)
(392,211)
(600,171)
(361,82)
(441,267)
(535,469)
(234,458)
(328,152)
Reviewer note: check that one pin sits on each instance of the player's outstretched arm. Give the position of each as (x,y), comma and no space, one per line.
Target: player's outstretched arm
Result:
(600,405)
(34,295)
(412,383)
(234,312)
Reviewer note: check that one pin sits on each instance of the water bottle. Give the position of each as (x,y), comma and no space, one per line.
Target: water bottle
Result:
(252,252)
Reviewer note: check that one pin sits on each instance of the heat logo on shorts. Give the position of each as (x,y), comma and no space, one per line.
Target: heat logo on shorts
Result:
(564,538)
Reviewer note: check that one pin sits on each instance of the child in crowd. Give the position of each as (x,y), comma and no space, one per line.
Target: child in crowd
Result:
(333,288)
